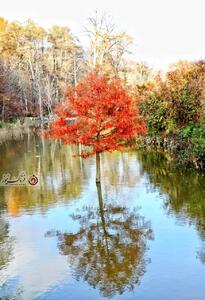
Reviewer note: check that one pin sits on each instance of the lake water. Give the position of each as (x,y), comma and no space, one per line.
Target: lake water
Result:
(140,235)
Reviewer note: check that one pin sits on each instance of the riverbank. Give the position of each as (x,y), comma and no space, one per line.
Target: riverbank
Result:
(25,122)
(188,150)
(14,133)
(186,147)
(17,129)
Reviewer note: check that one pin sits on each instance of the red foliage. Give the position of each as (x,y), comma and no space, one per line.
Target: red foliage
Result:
(98,113)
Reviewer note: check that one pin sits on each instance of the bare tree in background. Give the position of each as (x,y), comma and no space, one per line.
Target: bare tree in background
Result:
(107,47)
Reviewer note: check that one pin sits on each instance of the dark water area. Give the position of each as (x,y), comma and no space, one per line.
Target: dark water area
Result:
(138,235)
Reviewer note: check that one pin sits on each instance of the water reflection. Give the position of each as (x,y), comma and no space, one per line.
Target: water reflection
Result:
(11,290)
(6,243)
(61,177)
(6,255)
(185,191)
(100,241)
(115,234)
(108,249)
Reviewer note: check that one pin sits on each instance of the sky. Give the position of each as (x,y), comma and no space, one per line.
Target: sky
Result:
(164,31)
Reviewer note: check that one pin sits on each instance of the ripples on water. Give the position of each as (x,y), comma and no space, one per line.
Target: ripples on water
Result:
(141,235)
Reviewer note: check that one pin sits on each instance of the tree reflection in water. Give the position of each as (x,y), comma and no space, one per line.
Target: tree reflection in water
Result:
(108,250)
(184,190)
(6,243)
(61,178)
(6,255)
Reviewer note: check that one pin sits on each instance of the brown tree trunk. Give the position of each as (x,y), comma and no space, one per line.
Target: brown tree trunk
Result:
(98,177)
(3,111)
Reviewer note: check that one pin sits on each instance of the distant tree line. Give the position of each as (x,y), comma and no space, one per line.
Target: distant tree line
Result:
(37,64)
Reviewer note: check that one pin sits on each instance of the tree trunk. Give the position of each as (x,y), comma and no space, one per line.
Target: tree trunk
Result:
(98,177)
(74,70)
(26,102)
(40,105)
(3,111)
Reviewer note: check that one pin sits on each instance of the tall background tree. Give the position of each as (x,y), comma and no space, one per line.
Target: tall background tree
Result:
(107,47)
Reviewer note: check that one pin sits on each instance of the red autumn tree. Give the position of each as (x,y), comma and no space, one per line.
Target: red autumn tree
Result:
(98,113)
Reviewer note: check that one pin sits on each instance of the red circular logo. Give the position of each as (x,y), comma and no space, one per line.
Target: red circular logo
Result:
(33,180)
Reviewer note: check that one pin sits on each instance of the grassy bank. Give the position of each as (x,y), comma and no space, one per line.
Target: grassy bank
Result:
(14,130)
(10,124)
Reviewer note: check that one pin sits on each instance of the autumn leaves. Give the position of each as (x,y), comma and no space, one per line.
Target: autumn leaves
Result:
(105,116)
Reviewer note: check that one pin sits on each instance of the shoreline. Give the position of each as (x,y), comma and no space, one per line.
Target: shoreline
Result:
(184,151)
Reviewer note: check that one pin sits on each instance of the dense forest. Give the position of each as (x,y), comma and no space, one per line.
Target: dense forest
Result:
(37,64)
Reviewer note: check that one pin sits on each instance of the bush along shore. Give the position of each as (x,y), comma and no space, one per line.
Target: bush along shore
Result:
(187,147)
(173,106)
(15,129)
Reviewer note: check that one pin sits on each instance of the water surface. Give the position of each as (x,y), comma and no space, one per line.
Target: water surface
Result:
(140,235)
